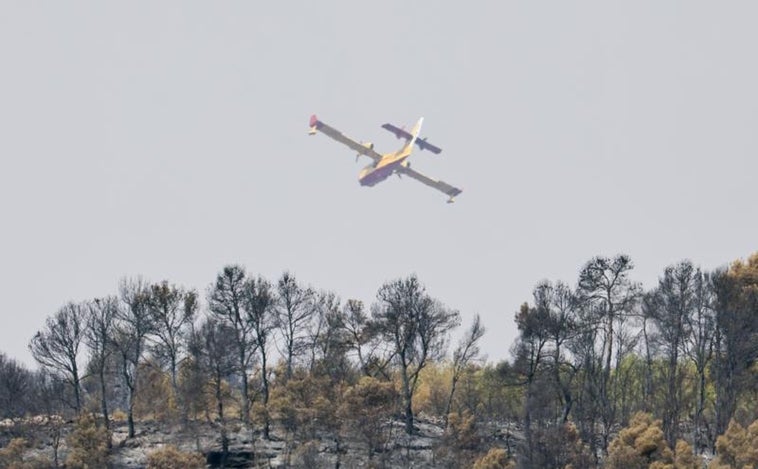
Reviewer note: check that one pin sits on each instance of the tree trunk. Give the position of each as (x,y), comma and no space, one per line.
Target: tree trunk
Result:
(174,384)
(130,396)
(725,397)
(130,417)
(700,408)
(77,394)
(245,411)
(219,400)
(408,414)
(450,398)
(671,413)
(290,353)
(407,401)
(103,399)
(264,378)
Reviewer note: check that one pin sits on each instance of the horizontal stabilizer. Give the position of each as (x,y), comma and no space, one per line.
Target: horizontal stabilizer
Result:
(402,133)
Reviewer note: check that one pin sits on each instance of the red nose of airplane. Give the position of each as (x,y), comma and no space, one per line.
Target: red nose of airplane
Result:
(313,120)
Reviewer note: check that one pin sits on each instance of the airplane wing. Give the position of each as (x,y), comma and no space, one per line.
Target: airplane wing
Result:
(402,133)
(441,186)
(340,137)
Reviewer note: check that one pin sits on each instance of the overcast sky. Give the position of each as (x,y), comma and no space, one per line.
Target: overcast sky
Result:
(168,139)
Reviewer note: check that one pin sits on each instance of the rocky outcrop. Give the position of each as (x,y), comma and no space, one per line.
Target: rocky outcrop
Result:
(246,448)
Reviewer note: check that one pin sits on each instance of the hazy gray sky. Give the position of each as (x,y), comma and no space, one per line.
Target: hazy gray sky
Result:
(167,139)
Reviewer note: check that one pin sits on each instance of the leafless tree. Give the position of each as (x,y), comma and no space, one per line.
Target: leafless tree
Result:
(219,362)
(226,299)
(15,386)
(608,295)
(294,311)
(648,308)
(416,326)
(45,398)
(101,313)
(700,348)
(465,353)
(530,354)
(675,301)
(173,310)
(194,378)
(133,325)
(328,340)
(259,303)
(561,304)
(372,352)
(56,347)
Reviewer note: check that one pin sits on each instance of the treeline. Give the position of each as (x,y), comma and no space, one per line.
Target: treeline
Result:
(593,364)
(257,352)
(595,355)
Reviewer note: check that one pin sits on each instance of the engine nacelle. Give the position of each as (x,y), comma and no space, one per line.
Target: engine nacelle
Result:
(368,145)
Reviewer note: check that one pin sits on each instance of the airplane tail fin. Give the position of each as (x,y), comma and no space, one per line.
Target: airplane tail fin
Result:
(416,130)
(413,135)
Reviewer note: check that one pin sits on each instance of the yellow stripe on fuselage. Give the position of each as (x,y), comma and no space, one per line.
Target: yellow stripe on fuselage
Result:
(398,156)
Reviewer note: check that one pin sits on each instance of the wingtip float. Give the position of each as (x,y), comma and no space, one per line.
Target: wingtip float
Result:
(384,165)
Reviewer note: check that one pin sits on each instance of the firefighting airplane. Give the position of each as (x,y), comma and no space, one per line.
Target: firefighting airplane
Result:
(384,165)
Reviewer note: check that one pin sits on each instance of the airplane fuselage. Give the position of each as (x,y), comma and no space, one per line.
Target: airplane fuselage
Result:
(371,175)
(374,174)
(383,165)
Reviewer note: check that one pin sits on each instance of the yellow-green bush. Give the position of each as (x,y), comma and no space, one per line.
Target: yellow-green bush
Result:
(155,397)
(738,447)
(685,457)
(118,415)
(88,445)
(12,456)
(460,443)
(433,390)
(496,458)
(364,410)
(169,457)
(641,445)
